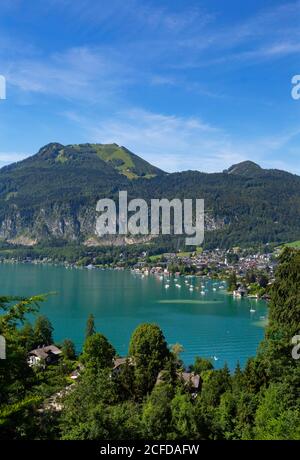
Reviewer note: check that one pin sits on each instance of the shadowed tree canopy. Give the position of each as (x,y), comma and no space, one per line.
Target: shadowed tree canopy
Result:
(98,353)
(43,330)
(68,349)
(149,349)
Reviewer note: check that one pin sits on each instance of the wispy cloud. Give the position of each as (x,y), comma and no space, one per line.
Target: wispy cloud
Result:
(155,38)
(80,73)
(140,16)
(179,143)
(11,157)
(168,141)
(273,32)
(115,54)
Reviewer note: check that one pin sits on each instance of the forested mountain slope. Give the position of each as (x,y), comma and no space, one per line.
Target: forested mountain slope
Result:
(52,195)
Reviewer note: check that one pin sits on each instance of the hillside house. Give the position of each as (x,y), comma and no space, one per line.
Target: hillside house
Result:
(49,354)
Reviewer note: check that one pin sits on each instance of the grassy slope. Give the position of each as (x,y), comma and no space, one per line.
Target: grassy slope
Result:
(294,244)
(123,160)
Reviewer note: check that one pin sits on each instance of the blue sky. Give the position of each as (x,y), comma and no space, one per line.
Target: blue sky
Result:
(186,84)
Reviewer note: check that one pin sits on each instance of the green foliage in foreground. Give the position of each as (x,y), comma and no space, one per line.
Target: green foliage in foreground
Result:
(97,352)
(22,388)
(260,402)
(149,351)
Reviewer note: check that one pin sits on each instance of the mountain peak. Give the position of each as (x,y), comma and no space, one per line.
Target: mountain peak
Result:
(116,157)
(245,168)
(50,148)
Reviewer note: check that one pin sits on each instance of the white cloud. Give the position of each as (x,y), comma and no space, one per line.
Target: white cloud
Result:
(170,142)
(166,41)
(179,143)
(271,33)
(11,157)
(155,42)
(81,73)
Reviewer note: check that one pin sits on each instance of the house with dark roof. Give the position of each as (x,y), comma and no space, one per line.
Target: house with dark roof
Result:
(190,380)
(119,363)
(44,355)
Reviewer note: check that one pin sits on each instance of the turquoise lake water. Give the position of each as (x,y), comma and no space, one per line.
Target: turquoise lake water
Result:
(213,324)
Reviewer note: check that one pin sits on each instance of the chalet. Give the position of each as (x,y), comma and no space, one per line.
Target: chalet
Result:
(44,355)
(189,379)
(119,363)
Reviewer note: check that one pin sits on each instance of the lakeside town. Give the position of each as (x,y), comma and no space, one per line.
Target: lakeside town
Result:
(247,272)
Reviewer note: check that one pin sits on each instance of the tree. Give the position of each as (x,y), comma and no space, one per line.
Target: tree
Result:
(27,336)
(68,349)
(17,420)
(149,350)
(177,349)
(157,415)
(285,302)
(98,353)
(90,326)
(284,317)
(201,365)
(263,280)
(125,381)
(250,277)
(183,417)
(16,377)
(225,416)
(232,257)
(214,385)
(278,414)
(85,413)
(43,330)
(232,282)
(15,314)
(174,359)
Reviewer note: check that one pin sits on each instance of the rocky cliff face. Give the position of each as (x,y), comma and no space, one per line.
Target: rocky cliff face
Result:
(66,222)
(57,221)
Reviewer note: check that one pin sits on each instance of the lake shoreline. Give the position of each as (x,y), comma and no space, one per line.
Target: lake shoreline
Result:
(210,324)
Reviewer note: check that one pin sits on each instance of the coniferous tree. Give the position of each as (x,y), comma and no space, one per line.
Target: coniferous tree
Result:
(43,330)
(90,326)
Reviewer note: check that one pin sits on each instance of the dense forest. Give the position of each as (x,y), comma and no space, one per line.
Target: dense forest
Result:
(148,398)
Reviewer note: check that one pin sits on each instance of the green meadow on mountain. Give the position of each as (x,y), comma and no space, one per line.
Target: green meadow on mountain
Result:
(51,196)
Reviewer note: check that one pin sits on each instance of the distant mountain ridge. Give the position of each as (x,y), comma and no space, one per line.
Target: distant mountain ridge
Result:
(245,168)
(52,195)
